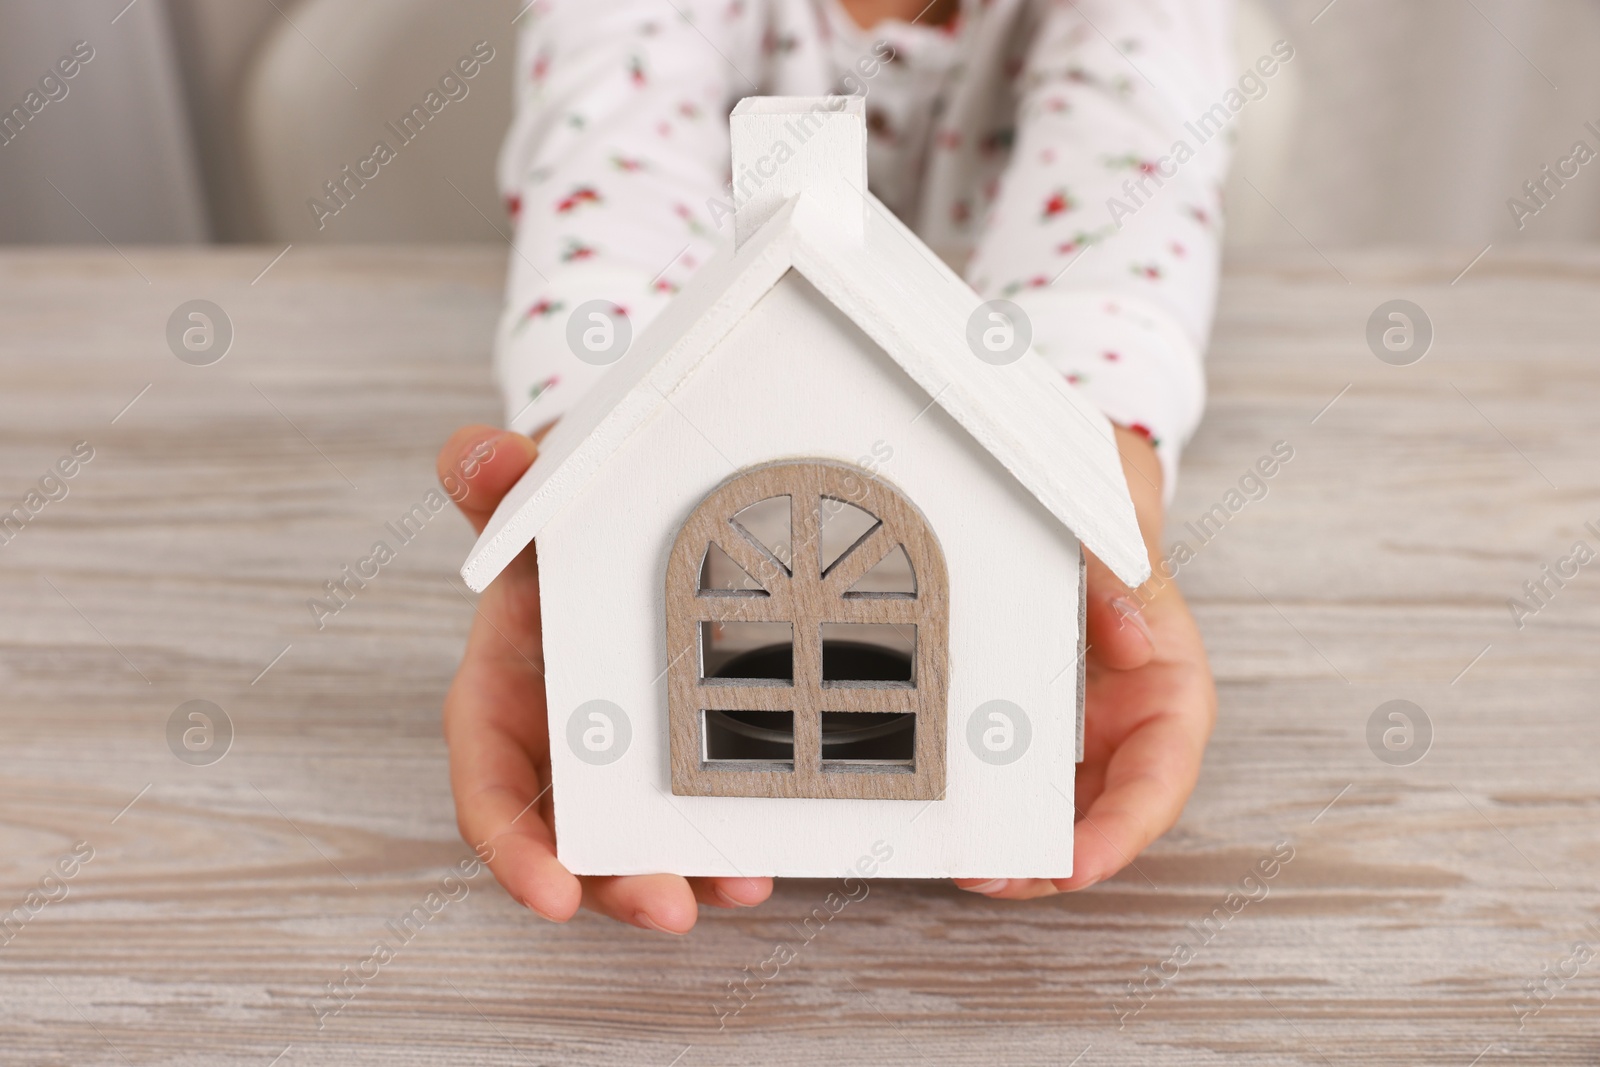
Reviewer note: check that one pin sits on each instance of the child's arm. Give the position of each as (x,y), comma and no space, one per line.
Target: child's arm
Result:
(1099,232)
(1110,244)
(614,152)
(496,726)
(619,142)
(618,156)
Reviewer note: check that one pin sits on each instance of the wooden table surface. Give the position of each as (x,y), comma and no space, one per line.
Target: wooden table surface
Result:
(221,900)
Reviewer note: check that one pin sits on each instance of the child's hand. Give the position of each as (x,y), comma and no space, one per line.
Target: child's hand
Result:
(1150,708)
(494,724)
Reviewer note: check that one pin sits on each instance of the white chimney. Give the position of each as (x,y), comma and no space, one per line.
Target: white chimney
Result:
(783,145)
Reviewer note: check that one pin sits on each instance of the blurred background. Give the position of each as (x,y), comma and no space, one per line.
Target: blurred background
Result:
(216,120)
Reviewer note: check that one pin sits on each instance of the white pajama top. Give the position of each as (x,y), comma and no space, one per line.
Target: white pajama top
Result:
(1030,143)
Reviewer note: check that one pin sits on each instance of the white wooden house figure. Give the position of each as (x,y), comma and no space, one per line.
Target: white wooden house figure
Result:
(809,555)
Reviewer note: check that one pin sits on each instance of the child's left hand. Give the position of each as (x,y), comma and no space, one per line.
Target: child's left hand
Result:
(1149,710)
(496,727)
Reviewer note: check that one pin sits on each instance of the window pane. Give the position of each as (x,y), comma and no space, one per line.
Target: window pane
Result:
(746,650)
(766,522)
(748,737)
(892,576)
(868,654)
(840,524)
(871,741)
(720,574)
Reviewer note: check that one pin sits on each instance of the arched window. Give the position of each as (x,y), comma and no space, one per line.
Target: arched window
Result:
(807,639)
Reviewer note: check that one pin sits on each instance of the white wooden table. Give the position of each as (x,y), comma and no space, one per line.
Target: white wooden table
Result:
(222,899)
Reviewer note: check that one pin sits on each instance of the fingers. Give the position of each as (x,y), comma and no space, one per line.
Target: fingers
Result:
(498,795)
(1104,841)
(1144,761)
(1118,635)
(495,732)
(662,902)
(1009,888)
(502,810)
(478,465)
(506,829)
(668,903)
(497,743)
(496,749)
(1147,780)
(731,892)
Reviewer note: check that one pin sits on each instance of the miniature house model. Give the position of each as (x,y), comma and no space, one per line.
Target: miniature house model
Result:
(810,563)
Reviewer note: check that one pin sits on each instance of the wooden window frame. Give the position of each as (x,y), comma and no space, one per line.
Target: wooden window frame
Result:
(803,595)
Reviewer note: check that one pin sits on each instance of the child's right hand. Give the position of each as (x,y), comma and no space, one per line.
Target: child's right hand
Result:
(495,727)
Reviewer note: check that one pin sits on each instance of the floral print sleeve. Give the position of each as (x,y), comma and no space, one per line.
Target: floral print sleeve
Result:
(619,141)
(1105,225)
(1034,144)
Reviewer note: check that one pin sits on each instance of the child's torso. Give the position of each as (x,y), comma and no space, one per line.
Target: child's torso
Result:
(941,99)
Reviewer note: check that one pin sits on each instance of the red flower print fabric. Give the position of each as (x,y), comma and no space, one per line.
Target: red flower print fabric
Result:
(1034,155)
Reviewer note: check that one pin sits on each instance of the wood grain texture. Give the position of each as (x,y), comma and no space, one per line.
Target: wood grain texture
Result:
(808,592)
(218,907)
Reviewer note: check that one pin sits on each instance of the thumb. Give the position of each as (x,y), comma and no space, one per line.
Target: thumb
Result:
(478,465)
(1118,635)
(1117,631)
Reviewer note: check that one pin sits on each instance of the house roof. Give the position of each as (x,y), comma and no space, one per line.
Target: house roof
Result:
(1042,430)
